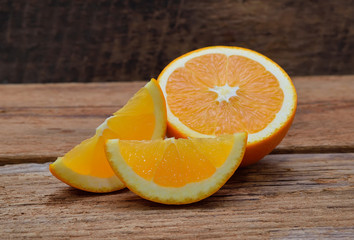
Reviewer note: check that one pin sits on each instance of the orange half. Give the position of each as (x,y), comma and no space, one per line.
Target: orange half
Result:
(223,90)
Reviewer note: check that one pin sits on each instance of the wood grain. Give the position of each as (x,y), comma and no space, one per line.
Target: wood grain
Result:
(40,122)
(324,118)
(123,40)
(296,196)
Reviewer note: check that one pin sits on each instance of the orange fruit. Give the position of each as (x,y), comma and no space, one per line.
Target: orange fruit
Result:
(176,171)
(223,90)
(86,167)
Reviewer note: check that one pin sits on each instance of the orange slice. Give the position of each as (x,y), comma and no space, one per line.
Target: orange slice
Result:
(86,167)
(223,90)
(176,171)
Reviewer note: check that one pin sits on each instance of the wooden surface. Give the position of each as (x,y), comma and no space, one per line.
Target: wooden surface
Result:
(42,122)
(123,40)
(305,191)
(295,196)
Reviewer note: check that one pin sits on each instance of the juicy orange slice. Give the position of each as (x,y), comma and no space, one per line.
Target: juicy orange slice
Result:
(223,90)
(176,171)
(86,167)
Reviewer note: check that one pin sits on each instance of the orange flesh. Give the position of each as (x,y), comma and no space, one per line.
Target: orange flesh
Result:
(175,163)
(253,106)
(133,121)
(143,157)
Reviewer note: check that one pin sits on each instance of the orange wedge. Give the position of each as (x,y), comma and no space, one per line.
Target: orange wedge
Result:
(86,167)
(176,171)
(224,90)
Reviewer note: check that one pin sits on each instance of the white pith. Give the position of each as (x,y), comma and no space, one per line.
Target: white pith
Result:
(285,84)
(225,92)
(176,195)
(102,127)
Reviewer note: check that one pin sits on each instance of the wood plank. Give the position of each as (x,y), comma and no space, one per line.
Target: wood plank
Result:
(48,120)
(85,41)
(296,196)
(40,122)
(324,118)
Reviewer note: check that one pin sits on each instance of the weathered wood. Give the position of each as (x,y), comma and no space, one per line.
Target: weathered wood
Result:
(84,41)
(296,196)
(40,122)
(324,118)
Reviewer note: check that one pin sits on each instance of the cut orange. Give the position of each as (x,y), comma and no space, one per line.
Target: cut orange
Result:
(223,90)
(176,171)
(86,167)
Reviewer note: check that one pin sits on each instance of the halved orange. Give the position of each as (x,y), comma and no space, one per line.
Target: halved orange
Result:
(86,167)
(176,171)
(223,90)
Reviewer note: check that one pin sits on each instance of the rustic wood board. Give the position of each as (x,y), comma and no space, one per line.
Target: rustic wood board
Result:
(40,122)
(95,41)
(290,196)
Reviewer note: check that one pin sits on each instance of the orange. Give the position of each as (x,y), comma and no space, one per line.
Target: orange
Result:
(176,171)
(86,167)
(224,90)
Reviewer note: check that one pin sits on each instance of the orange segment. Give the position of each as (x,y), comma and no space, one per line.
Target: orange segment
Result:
(88,158)
(223,90)
(228,120)
(134,105)
(215,150)
(171,170)
(137,153)
(209,69)
(182,164)
(126,122)
(86,167)
(130,127)
(201,167)
(176,171)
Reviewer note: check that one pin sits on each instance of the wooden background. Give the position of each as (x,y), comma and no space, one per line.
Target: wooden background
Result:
(84,41)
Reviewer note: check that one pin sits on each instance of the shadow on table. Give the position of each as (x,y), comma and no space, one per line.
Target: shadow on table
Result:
(244,185)
(247,184)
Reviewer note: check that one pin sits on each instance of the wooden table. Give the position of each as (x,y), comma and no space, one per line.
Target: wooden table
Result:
(304,189)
